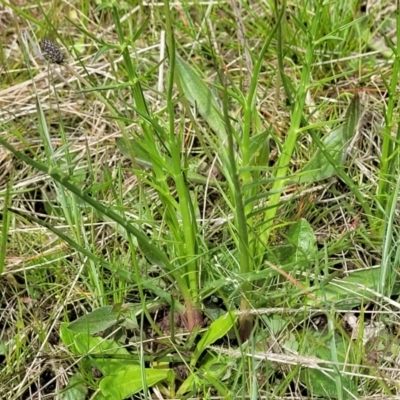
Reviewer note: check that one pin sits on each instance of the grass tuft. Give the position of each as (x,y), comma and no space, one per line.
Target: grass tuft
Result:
(199,200)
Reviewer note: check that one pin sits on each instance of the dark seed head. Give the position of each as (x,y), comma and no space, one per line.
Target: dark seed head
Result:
(51,52)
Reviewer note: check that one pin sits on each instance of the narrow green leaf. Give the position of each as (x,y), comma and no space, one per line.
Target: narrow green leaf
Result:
(213,369)
(143,158)
(353,116)
(200,96)
(5,215)
(153,253)
(222,389)
(336,143)
(123,273)
(219,328)
(134,148)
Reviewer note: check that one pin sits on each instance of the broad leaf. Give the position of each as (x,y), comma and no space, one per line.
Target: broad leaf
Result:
(68,337)
(128,381)
(123,375)
(300,245)
(106,355)
(323,383)
(96,321)
(350,291)
(75,390)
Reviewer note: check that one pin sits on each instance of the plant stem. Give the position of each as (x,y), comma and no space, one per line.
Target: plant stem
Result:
(388,163)
(292,135)
(150,250)
(245,320)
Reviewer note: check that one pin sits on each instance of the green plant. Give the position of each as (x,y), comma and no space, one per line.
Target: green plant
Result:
(204,231)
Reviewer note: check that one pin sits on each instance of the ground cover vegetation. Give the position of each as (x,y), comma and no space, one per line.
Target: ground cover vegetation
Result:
(199,199)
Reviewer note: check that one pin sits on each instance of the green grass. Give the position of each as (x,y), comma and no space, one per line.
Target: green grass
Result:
(201,202)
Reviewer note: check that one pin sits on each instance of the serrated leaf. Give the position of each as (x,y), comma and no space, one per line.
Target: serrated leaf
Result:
(200,96)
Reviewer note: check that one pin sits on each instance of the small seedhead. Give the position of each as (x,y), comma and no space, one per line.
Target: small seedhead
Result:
(51,51)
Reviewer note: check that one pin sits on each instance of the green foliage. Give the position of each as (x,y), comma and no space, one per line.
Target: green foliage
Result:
(320,380)
(123,375)
(100,319)
(352,290)
(124,382)
(336,144)
(214,372)
(299,246)
(200,96)
(218,329)
(224,170)
(75,390)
